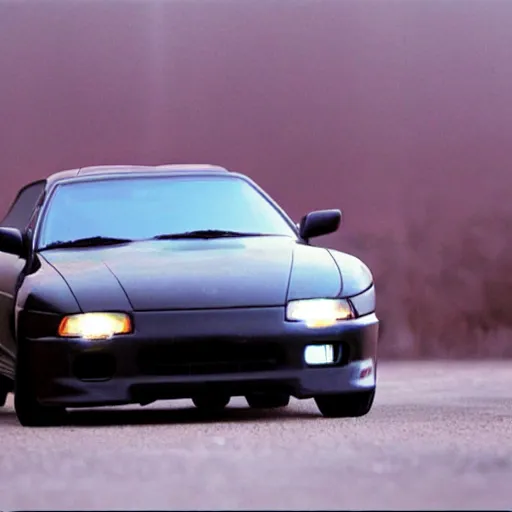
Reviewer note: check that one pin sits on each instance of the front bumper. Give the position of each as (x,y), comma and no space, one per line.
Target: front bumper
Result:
(180,354)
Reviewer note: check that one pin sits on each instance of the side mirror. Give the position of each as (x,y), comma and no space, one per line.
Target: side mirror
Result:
(318,223)
(11,241)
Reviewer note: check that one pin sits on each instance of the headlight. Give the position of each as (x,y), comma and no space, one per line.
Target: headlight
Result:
(319,312)
(95,326)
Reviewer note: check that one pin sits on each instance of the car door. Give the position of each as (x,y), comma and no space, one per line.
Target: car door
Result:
(19,216)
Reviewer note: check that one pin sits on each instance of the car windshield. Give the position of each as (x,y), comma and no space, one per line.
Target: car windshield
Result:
(145,207)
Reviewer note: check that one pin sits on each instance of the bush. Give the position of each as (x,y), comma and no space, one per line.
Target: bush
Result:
(444,289)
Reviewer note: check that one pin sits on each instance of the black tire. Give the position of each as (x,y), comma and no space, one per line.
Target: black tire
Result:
(29,411)
(268,400)
(5,388)
(211,403)
(3,397)
(346,405)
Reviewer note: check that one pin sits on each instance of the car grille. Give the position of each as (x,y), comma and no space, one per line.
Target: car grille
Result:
(210,357)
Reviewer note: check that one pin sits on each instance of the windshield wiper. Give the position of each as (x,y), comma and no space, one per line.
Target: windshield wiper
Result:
(92,241)
(205,233)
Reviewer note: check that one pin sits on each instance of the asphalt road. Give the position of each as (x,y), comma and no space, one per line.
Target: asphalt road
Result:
(439,436)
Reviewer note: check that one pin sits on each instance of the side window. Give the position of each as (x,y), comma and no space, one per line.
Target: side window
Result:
(23,208)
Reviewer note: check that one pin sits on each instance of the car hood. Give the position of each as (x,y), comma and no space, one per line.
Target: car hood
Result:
(197,274)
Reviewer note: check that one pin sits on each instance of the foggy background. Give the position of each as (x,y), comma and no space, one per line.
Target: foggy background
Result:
(399,112)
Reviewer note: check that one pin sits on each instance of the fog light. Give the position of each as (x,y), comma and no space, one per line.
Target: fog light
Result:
(319,354)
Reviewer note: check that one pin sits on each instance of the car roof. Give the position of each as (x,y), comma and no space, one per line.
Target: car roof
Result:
(102,171)
(109,171)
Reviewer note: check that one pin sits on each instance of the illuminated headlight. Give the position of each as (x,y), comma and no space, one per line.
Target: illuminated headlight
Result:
(319,312)
(95,326)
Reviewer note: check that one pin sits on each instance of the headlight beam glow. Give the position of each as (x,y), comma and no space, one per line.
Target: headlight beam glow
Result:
(94,326)
(319,312)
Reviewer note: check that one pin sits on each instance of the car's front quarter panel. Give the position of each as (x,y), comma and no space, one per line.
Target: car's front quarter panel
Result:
(314,274)
(92,282)
(364,303)
(42,299)
(355,275)
(46,290)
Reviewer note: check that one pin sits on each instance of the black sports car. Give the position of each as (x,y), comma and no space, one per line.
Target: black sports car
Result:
(126,285)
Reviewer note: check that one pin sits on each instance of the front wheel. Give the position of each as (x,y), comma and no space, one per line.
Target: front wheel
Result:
(3,397)
(346,405)
(5,389)
(29,411)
